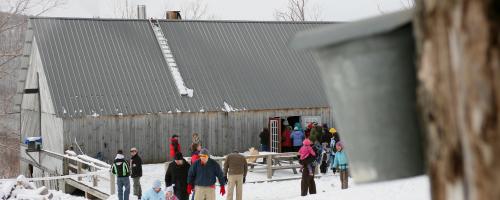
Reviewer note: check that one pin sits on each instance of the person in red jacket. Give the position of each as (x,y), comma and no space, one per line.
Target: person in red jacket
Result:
(286,141)
(174,146)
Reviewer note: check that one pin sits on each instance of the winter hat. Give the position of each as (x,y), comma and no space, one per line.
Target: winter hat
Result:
(296,128)
(333,130)
(157,184)
(306,142)
(204,152)
(170,189)
(119,156)
(339,144)
(178,156)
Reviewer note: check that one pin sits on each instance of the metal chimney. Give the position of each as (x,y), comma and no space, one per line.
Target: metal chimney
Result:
(141,12)
(174,15)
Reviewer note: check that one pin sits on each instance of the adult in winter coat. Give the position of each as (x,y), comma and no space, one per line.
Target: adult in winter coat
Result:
(307,183)
(155,193)
(202,175)
(235,171)
(326,136)
(297,137)
(341,164)
(316,134)
(136,172)
(286,141)
(174,146)
(121,170)
(264,139)
(177,174)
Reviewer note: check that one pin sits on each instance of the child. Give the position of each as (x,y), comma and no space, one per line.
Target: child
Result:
(169,194)
(195,152)
(307,156)
(341,164)
(324,158)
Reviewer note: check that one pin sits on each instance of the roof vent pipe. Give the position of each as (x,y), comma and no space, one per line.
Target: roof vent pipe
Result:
(141,12)
(173,15)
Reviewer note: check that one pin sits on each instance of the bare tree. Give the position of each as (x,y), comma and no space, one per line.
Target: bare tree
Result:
(405,4)
(124,9)
(459,96)
(196,10)
(298,10)
(13,19)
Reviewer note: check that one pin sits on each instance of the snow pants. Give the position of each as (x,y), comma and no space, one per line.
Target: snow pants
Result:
(344,178)
(307,183)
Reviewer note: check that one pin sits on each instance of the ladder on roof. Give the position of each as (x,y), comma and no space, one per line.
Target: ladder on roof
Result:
(169,58)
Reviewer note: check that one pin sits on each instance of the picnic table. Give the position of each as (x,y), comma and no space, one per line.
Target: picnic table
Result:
(273,161)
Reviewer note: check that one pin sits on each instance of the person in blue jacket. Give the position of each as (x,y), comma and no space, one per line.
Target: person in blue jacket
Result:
(297,137)
(340,163)
(155,193)
(202,175)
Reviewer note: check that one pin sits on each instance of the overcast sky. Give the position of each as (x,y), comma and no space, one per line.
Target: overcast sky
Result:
(330,10)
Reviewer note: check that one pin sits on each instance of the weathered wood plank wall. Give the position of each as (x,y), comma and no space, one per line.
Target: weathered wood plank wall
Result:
(221,132)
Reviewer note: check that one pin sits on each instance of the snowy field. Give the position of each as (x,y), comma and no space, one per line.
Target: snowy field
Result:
(328,187)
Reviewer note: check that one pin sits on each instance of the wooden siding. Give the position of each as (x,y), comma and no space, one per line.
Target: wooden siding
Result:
(221,132)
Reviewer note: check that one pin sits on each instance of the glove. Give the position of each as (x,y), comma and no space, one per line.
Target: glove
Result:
(189,188)
(244,179)
(222,190)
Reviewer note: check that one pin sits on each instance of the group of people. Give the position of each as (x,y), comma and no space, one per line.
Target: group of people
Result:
(182,178)
(317,146)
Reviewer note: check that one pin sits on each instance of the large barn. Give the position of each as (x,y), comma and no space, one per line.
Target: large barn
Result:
(111,84)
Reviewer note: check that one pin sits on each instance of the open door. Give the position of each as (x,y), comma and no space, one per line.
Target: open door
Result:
(275,134)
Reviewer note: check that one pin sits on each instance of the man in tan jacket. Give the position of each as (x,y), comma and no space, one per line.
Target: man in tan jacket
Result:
(236,166)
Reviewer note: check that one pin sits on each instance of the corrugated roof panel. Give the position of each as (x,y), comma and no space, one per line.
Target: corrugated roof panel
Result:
(109,67)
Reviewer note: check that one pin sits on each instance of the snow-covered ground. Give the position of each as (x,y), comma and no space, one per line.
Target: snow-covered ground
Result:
(328,187)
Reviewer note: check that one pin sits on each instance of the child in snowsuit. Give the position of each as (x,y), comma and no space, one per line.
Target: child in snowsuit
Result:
(341,164)
(307,156)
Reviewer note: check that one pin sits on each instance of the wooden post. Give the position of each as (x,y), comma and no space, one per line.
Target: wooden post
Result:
(65,166)
(269,166)
(79,170)
(111,183)
(94,178)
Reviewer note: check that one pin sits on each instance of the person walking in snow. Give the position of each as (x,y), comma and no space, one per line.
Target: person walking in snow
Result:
(136,172)
(235,171)
(174,146)
(297,137)
(333,149)
(155,193)
(307,157)
(121,170)
(176,176)
(340,163)
(202,175)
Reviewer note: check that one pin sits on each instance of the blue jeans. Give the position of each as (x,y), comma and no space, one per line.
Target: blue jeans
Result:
(264,147)
(123,182)
(332,157)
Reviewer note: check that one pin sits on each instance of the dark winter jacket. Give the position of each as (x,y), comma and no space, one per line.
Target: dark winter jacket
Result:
(120,168)
(204,175)
(326,137)
(136,166)
(264,137)
(178,175)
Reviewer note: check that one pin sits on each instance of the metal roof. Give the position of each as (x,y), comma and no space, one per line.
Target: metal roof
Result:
(338,33)
(115,67)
